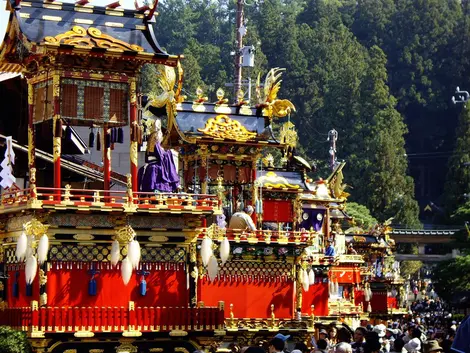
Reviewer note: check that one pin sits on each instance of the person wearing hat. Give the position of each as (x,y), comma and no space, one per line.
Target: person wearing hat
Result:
(413,346)
(432,346)
(276,345)
(282,337)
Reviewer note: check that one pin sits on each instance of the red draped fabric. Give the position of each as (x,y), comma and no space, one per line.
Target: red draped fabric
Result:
(22,300)
(378,301)
(249,299)
(317,295)
(69,287)
(277,211)
(392,303)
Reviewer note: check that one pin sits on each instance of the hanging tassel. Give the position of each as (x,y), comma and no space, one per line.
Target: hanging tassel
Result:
(112,135)
(134,253)
(29,290)
(212,268)
(107,140)
(369,308)
(336,287)
(98,141)
(139,135)
(206,250)
(370,293)
(91,139)
(143,286)
(126,270)
(21,247)
(311,277)
(305,280)
(43,249)
(115,253)
(120,135)
(366,295)
(31,269)
(224,250)
(16,287)
(92,286)
(68,133)
(58,128)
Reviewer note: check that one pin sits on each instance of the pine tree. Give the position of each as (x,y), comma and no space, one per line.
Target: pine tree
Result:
(389,192)
(458,177)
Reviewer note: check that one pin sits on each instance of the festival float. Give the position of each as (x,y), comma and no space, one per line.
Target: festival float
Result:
(145,262)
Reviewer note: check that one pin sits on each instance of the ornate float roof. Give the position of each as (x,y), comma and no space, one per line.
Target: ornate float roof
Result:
(285,180)
(38,28)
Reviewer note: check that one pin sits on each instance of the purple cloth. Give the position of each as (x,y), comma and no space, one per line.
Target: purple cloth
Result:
(159,174)
(462,338)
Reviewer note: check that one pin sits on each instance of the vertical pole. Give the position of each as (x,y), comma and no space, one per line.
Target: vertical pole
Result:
(239,45)
(332,137)
(133,128)
(106,158)
(57,133)
(31,142)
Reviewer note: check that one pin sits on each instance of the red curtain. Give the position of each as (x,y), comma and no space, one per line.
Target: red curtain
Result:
(249,299)
(317,295)
(22,300)
(345,275)
(277,211)
(378,300)
(69,287)
(392,303)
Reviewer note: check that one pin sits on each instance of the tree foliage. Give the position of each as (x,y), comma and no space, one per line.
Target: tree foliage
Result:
(452,276)
(12,341)
(361,215)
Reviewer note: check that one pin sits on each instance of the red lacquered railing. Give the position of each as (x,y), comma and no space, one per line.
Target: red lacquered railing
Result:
(114,319)
(265,236)
(111,198)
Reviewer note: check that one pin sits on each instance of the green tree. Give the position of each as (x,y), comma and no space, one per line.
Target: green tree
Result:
(452,276)
(361,215)
(458,177)
(12,341)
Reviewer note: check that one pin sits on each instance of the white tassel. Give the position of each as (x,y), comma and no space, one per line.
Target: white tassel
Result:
(21,247)
(115,253)
(31,268)
(224,250)
(331,288)
(369,308)
(212,268)
(370,293)
(366,294)
(305,280)
(126,270)
(134,253)
(336,287)
(206,250)
(311,277)
(43,249)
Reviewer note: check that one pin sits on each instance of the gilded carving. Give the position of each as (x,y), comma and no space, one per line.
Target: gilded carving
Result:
(36,228)
(132,90)
(2,255)
(288,135)
(56,84)
(181,349)
(134,153)
(271,179)
(299,287)
(56,148)
(67,193)
(224,127)
(30,94)
(267,95)
(30,146)
(2,287)
(90,38)
(43,299)
(42,277)
(125,234)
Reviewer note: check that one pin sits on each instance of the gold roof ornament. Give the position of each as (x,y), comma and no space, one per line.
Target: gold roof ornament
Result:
(268,161)
(288,135)
(90,38)
(35,227)
(198,104)
(272,180)
(125,234)
(222,126)
(221,106)
(267,95)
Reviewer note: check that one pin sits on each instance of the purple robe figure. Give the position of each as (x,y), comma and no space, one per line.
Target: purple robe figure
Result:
(159,173)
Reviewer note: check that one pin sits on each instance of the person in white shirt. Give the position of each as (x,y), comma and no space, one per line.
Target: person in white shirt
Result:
(242,220)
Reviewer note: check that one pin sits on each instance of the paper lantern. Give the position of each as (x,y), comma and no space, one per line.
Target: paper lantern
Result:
(126,270)
(224,250)
(311,277)
(21,247)
(134,253)
(115,253)
(206,250)
(305,280)
(31,269)
(212,268)
(43,249)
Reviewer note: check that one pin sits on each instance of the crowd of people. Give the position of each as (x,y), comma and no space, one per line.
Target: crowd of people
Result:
(416,335)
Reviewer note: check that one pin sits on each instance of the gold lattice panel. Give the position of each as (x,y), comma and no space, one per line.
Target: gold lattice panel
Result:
(103,253)
(254,269)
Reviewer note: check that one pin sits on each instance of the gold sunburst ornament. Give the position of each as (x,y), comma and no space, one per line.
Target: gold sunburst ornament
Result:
(222,126)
